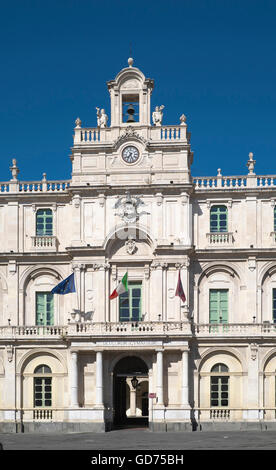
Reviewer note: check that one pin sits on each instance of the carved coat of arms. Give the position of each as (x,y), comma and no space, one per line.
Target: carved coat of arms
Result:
(128,208)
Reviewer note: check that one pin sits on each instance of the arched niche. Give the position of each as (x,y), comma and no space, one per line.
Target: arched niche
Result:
(218,277)
(126,240)
(27,367)
(235,372)
(3,300)
(41,279)
(269,383)
(268,291)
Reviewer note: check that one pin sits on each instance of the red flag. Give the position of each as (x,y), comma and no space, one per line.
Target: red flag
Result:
(179,289)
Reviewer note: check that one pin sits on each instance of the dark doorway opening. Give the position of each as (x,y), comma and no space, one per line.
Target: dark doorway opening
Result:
(130,397)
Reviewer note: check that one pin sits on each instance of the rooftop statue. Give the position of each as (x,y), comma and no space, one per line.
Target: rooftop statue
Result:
(102,118)
(157,115)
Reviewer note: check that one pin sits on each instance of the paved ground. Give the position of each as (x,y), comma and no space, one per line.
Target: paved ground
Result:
(141,439)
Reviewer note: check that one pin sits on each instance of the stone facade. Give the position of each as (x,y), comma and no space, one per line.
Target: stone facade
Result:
(67,361)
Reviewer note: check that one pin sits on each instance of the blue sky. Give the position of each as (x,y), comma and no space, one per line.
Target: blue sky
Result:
(212,60)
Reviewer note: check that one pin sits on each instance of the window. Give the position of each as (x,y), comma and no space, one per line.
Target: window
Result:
(42,386)
(44,308)
(130,303)
(274,219)
(219,385)
(274,305)
(44,222)
(218,219)
(218,305)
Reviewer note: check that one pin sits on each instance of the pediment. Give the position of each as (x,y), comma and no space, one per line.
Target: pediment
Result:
(130,134)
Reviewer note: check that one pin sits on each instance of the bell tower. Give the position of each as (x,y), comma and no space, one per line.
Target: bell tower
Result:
(130,95)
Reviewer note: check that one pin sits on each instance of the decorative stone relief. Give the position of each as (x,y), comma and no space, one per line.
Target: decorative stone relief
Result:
(114,273)
(184,199)
(128,206)
(76,201)
(251,263)
(12,267)
(159,265)
(254,351)
(129,133)
(10,351)
(159,199)
(130,245)
(147,272)
(100,266)
(101,199)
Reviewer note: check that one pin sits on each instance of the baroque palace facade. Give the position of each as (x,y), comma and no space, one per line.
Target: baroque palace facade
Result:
(80,361)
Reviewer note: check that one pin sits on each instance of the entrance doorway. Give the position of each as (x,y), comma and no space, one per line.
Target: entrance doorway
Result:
(130,393)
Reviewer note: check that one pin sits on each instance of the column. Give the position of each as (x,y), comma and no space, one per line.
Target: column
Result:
(132,398)
(99,378)
(251,402)
(9,390)
(74,379)
(159,382)
(107,291)
(164,291)
(185,374)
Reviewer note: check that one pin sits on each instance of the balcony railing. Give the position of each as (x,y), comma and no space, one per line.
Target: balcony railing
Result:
(97,329)
(235,329)
(138,329)
(44,242)
(94,135)
(220,238)
(34,187)
(129,328)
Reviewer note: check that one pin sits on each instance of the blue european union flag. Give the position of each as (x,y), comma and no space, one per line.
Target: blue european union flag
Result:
(66,286)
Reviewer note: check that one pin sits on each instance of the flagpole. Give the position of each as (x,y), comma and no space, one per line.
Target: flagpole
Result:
(77,275)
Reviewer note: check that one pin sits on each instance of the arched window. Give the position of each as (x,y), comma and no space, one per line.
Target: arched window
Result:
(219,385)
(218,219)
(42,386)
(44,222)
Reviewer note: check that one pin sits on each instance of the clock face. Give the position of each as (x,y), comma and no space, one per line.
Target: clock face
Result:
(130,154)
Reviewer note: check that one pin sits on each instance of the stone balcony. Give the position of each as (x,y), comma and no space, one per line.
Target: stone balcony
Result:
(96,135)
(220,239)
(241,330)
(138,330)
(87,329)
(46,243)
(34,187)
(219,182)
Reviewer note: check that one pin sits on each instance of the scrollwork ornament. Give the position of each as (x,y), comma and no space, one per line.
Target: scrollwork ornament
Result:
(254,351)
(10,351)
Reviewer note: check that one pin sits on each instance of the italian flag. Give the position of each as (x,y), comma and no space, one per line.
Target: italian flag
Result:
(121,288)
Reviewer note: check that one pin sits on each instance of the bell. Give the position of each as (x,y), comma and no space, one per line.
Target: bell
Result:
(130,112)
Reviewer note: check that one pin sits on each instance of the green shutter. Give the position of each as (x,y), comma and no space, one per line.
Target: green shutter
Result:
(218,306)
(44,308)
(44,222)
(130,303)
(218,219)
(274,305)
(42,392)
